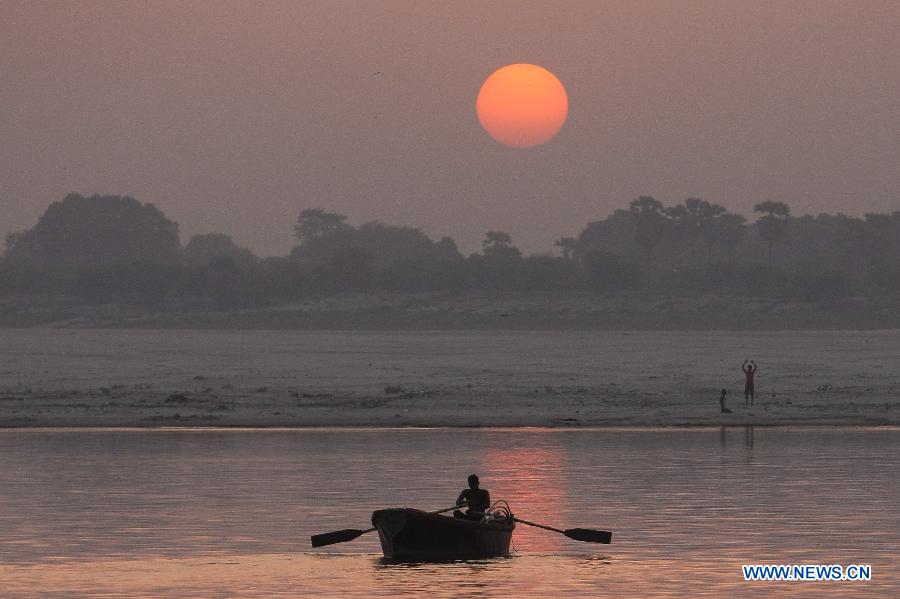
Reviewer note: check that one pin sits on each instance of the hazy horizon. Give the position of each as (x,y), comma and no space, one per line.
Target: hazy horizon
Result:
(232,117)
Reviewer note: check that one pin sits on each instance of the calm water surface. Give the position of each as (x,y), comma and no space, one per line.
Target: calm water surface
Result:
(229,513)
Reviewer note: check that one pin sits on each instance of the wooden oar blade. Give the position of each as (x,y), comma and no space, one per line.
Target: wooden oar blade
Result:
(338,536)
(589,536)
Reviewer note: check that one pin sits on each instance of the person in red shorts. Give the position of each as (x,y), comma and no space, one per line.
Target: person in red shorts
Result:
(749,371)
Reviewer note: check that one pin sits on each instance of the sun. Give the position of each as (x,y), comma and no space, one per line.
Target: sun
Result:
(522,105)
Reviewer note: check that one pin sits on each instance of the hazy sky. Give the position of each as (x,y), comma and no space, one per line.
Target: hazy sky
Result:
(232,116)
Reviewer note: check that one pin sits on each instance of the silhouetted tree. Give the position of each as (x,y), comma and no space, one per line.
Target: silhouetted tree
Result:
(16,279)
(694,221)
(315,223)
(437,266)
(773,225)
(498,245)
(498,266)
(615,234)
(495,239)
(202,249)
(611,272)
(105,249)
(726,230)
(880,239)
(446,249)
(222,279)
(390,245)
(651,224)
(567,246)
(97,230)
(11,240)
(352,268)
(386,245)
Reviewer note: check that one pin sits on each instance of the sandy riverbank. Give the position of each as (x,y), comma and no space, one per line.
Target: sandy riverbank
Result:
(466,312)
(296,378)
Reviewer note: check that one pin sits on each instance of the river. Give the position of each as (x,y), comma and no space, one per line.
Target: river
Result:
(218,513)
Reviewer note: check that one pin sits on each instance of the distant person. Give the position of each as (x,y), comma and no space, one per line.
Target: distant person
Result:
(478,501)
(722,407)
(749,371)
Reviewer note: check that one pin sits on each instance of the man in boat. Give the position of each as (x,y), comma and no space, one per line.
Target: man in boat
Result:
(477,500)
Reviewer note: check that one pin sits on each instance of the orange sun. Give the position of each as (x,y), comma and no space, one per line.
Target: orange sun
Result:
(522,105)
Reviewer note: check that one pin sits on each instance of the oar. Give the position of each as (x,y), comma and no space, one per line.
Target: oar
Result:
(348,534)
(579,534)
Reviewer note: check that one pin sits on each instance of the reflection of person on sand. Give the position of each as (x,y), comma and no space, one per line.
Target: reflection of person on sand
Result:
(477,500)
(722,403)
(748,385)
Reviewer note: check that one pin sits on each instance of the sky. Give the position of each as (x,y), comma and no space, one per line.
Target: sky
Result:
(233,116)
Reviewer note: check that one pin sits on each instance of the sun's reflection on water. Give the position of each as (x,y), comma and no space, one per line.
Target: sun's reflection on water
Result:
(531,480)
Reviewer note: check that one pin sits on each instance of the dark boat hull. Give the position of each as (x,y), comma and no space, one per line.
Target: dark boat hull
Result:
(414,535)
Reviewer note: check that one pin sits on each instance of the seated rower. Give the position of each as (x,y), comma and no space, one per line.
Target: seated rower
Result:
(477,500)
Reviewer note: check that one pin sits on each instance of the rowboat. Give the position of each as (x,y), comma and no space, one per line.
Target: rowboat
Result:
(413,535)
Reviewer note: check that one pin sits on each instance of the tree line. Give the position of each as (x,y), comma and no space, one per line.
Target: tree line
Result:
(113,248)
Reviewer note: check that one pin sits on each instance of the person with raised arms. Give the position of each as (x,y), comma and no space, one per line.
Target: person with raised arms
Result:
(749,371)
